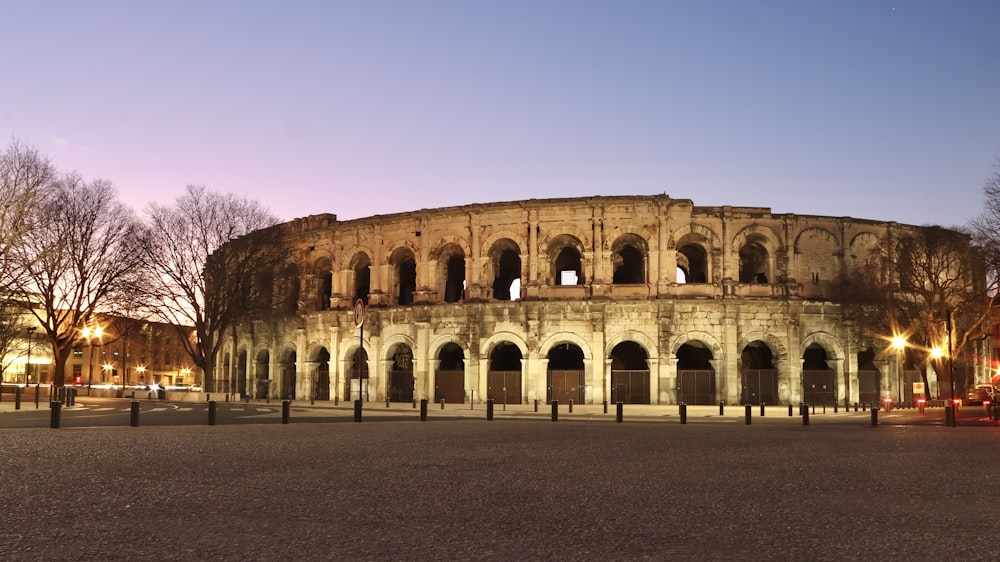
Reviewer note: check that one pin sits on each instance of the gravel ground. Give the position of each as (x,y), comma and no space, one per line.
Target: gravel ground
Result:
(468,490)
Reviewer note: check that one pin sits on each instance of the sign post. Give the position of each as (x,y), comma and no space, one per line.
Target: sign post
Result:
(359,321)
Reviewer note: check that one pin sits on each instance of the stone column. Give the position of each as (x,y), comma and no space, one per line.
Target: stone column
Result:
(669,388)
(654,380)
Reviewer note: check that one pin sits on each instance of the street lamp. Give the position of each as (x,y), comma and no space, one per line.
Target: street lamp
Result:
(89,334)
(31,333)
(899,343)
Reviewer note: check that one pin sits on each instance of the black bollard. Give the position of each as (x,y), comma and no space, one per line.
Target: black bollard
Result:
(605,406)
(536,404)
(286,407)
(36,396)
(357,410)
(761,409)
(789,409)
(414,403)
(17,398)
(855,406)
(834,407)
(423,409)
(134,414)
(386,401)
(54,421)
(684,413)
(874,417)
(211,412)
(722,408)
(805,416)
(571,406)
(489,410)
(442,403)
(620,412)
(747,414)
(555,410)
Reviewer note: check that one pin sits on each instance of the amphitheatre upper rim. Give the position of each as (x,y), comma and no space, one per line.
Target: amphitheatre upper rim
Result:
(663,199)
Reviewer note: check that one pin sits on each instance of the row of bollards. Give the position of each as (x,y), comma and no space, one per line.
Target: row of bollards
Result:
(804,410)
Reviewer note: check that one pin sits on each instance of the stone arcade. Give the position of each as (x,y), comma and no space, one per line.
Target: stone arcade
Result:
(639,299)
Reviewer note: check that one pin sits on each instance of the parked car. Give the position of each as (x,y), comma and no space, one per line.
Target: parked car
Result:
(978,395)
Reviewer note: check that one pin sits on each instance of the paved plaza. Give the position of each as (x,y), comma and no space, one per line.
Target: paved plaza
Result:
(508,489)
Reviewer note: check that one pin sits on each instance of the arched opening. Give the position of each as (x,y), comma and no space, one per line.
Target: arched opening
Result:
(753,263)
(454,281)
(695,374)
(262,368)
(362,278)
(758,375)
(449,380)
(505,257)
(569,269)
(263,291)
(629,374)
(869,378)
(628,260)
(227,373)
(357,385)
(288,376)
(819,381)
(566,374)
(401,381)
(323,275)
(692,261)
(290,289)
(405,268)
(503,381)
(241,373)
(321,382)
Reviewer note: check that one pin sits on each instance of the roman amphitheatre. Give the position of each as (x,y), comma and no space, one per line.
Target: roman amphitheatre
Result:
(634,299)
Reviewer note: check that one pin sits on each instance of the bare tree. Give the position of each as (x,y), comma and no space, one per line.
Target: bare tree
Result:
(986,227)
(927,285)
(24,174)
(13,328)
(82,246)
(205,255)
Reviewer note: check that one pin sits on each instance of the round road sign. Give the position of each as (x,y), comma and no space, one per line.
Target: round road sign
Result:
(359,313)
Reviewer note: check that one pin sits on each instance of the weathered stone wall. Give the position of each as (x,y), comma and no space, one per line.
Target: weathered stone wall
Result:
(659,279)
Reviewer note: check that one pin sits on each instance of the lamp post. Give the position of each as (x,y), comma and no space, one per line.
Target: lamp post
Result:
(90,335)
(899,343)
(27,376)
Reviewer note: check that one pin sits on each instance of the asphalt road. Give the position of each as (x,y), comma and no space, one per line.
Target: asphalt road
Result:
(510,489)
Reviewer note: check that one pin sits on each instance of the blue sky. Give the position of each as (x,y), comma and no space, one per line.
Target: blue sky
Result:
(875,109)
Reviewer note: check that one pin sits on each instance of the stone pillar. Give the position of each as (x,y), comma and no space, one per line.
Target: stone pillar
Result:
(336,367)
(668,390)
(654,380)
(605,382)
(302,383)
(422,373)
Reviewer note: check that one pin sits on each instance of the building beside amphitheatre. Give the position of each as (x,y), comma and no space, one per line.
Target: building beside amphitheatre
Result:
(638,299)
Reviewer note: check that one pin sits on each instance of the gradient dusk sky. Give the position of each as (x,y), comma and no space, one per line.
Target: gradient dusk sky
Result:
(874,109)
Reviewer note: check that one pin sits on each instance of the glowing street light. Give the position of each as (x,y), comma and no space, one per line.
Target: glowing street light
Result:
(899,343)
(89,334)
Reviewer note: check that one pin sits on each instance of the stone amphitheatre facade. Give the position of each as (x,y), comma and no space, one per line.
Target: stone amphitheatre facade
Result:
(638,299)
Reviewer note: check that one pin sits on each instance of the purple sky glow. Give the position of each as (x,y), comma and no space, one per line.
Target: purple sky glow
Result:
(874,109)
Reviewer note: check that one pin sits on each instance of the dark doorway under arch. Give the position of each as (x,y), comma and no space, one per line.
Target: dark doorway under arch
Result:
(565,377)
(503,381)
(629,374)
(758,376)
(695,375)
(401,379)
(449,382)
